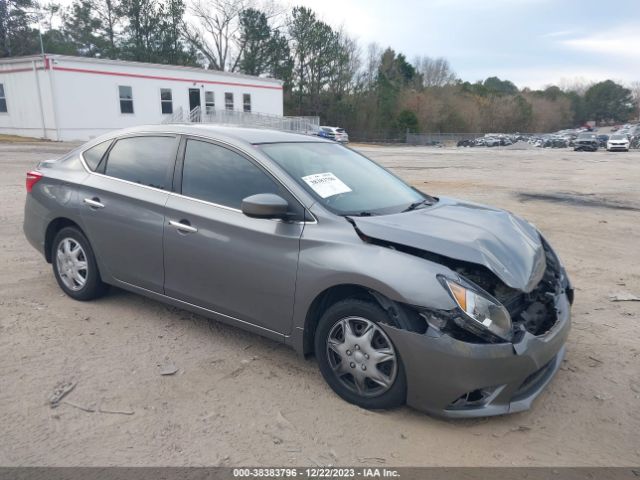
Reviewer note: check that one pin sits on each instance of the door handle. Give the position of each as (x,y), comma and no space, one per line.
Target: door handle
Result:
(93,202)
(183,226)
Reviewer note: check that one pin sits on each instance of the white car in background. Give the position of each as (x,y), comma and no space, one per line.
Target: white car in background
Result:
(334,133)
(618,142)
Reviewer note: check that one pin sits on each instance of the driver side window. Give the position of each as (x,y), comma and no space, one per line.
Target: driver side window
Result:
(218,175)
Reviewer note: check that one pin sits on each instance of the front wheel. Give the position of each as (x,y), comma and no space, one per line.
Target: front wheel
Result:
(74,265)
(357,358)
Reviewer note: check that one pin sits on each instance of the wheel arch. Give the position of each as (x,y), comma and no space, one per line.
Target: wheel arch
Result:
(401,315)
(52,230)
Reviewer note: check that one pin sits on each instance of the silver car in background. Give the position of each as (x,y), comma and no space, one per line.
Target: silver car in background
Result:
(334,133)
(455,308)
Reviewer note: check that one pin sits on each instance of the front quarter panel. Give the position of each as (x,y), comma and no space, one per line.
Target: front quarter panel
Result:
(332,254)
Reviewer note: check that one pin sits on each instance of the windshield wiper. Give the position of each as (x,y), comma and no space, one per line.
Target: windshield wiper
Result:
(414,205)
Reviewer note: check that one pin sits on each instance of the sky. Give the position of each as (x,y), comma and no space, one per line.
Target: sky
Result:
(533,43)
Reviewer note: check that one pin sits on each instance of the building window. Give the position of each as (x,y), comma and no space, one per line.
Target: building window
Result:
(126,99)
(3,100)
(209,102)
(166,100)
(246,102)
(228,101)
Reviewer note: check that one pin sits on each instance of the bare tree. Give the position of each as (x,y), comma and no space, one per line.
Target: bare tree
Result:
(372,63)
(578,84)
(436,72)
(216,29)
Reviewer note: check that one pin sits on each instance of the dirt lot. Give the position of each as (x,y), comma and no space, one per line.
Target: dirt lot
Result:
(238,399)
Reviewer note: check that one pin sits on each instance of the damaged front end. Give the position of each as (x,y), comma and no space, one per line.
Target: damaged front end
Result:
(488,358)
(531,312)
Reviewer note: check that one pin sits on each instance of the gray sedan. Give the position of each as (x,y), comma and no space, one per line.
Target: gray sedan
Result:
(454,308)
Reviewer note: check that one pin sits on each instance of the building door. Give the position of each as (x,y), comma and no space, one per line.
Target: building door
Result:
(194,102)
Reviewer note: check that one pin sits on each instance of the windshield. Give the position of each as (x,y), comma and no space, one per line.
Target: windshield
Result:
(618,137)
(342,180)
(586,136)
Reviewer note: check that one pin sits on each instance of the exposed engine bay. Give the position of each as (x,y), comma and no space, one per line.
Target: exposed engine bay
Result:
(535,311)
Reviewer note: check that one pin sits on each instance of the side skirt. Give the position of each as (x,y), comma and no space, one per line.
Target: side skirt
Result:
(221,317)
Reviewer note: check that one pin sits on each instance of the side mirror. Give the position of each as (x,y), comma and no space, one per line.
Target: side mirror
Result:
(265,205)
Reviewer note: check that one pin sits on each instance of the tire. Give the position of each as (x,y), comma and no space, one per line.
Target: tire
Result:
(75,267)
(367,316)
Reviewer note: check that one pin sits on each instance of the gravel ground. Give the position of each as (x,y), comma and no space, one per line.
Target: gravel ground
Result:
(238,399)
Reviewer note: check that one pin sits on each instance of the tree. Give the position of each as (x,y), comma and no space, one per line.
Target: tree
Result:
(407,121)
(216,31)
(436,72)
(172,48)
(80,27)
(255,47)
(608,101)
(500,87)
(141,18)
(110,14)
(635,93)
(300,34)
(17,37)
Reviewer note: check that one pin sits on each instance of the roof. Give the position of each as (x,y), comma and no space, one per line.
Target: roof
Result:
(104,61)
(237,135)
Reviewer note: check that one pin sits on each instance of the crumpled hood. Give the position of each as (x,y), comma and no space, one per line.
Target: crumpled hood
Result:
(505,244)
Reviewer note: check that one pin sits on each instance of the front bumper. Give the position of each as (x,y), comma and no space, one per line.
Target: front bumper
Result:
(591,147)
(441,370)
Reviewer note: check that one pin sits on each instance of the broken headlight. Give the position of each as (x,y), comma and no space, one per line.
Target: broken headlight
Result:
(482,315)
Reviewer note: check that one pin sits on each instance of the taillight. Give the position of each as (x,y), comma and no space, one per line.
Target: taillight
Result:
(33,177)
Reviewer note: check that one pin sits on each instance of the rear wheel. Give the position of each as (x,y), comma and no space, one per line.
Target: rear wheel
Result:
(357,358)
(74,265)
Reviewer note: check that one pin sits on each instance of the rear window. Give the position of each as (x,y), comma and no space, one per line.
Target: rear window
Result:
(340,130)
(93,156)
(144,160)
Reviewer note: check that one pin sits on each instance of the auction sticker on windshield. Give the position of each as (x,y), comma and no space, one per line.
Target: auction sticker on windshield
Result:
(326,184)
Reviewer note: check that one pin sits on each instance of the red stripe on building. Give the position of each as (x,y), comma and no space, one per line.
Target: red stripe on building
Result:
(153,77)
(18,70)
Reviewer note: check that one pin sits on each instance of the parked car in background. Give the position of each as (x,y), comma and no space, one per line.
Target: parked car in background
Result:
(334,133)
(602,140)
(586,142)
(458,309)
(618,142)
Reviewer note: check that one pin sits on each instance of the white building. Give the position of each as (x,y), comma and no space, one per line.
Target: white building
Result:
(61,97)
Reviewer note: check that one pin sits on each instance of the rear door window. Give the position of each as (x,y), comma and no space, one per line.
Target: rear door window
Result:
(147,160)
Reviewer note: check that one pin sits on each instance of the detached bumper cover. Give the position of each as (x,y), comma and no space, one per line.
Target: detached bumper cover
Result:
(440,369)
